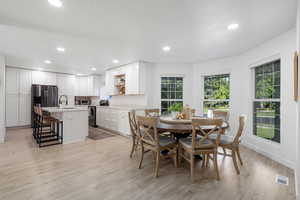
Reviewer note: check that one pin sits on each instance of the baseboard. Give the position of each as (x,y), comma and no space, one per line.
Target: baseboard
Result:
(274,157)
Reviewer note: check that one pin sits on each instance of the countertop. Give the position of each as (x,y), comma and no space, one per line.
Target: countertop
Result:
(124,107)
(59,110)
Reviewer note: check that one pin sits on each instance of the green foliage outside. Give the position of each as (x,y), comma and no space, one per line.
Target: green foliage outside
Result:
(176,107)
(216,87)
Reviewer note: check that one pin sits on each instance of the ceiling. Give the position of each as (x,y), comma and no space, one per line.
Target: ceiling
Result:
(94,32)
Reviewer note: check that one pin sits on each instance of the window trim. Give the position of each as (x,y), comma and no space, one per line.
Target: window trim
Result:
(252,66)
(171,76)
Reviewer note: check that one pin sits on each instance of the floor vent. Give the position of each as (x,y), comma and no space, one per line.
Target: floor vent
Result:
(282,180)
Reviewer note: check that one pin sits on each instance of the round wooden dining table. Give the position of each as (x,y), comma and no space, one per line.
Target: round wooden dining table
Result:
(167,124)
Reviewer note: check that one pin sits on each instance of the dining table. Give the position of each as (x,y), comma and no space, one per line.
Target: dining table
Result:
(182,126)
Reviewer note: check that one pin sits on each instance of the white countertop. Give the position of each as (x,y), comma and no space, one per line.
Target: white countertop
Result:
(59,110)
(123,107)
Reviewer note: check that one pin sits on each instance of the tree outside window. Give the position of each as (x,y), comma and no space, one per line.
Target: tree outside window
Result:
(216,92)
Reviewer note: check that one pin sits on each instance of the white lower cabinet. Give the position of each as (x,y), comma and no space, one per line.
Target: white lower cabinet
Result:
(24,109)
(12,110)
(115,119)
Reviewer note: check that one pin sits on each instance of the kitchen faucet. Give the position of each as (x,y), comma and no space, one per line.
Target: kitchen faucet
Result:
(61,100)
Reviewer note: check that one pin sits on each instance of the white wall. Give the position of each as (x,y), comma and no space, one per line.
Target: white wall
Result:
(241,89)
(297,171)
(2,99)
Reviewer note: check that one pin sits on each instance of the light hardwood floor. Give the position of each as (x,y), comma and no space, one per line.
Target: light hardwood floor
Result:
(102,169)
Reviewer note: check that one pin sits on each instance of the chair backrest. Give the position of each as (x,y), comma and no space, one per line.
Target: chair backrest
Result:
(221,114)
(152,112)
(242,122)
(147,127)
(132,123)
(206,127)
(38,111)
(193,112)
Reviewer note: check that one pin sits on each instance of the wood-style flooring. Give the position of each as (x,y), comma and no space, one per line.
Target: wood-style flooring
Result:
(102,170)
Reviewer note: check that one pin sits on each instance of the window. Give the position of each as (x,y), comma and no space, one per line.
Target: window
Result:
(266,104)
(216,92)
(171,92)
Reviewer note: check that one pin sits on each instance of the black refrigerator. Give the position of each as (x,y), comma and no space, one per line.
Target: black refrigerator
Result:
(44,96)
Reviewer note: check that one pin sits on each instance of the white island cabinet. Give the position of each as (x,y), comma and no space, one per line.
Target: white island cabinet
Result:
(114,118)
(75,122)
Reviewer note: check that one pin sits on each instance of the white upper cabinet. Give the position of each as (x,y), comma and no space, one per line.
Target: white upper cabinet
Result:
(88,85)
(109,83)
(25,77)
(43,78)
(135,79)
(66,84)
(82,86)
(132,79)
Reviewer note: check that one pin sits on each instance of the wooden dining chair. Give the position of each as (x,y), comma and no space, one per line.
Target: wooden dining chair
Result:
(234,145)
(152,112)
(151,140)
(134,132)
(221,114)
(201,145)
(193,112)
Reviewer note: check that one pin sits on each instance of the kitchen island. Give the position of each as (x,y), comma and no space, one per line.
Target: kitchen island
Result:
(75,122)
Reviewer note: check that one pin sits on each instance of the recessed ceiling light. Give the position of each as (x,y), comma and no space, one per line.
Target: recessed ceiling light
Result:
(47,62)
(56,3)
(115,61)
(60,49)
(93,69)
(232,27)
(166,48)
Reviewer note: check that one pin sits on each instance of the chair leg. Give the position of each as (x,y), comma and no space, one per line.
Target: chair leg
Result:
(176,158)
(224,150)
(133,147)
(203,160)
(157,163)
(180,152)
(234,161)
(206,160)
(239,155)
(192,165)
(216,164)
(142,156)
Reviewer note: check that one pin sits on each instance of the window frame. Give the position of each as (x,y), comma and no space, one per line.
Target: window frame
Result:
(171,100)
(203,100)
(254,99)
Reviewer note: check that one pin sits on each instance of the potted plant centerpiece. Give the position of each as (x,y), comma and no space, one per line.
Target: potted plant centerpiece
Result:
(175,109)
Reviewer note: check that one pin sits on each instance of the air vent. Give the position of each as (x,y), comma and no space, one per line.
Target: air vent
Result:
(282,180)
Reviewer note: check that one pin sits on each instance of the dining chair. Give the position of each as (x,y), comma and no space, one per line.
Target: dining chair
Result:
(234,144)
(221,114)
(201,145)
(193,112)
(151,140)
(152,112)
(134,132)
